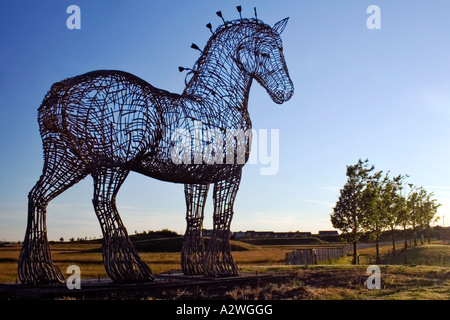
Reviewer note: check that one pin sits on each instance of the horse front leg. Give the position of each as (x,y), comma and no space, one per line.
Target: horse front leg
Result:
(193,251)
(218,259)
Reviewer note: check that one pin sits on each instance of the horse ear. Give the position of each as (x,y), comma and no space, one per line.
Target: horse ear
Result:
(280,25)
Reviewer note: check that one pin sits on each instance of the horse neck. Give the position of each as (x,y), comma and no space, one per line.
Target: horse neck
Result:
(218,81)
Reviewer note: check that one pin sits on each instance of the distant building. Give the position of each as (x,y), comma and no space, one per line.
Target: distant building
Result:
(305,234)
(251,234)
(328,233)
(296,234)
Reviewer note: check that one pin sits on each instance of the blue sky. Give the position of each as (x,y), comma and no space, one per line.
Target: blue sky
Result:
(359,93)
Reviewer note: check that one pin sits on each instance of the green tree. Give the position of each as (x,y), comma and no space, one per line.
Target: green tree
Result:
(394,204)
(412,205)
(422,211)
(373,218)
(404,217)
(427,214)
(347,214)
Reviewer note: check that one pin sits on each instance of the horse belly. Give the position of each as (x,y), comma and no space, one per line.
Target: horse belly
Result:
(186,173)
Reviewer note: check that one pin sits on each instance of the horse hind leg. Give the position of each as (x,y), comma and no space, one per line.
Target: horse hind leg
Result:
(61,171)
(193,251)
(120,258)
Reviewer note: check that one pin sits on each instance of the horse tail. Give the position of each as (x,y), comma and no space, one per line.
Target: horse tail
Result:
(50,112)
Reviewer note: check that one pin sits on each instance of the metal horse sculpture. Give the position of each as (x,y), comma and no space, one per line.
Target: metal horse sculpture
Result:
(108,123)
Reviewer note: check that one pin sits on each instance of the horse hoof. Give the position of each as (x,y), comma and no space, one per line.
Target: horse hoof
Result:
(39,273)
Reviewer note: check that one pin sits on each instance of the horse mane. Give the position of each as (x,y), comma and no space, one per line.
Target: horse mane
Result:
(233,23)
(226,26)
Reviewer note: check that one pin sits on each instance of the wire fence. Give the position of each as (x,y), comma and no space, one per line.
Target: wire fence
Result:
(315,255)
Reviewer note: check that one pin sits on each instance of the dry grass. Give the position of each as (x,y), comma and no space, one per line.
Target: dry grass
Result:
(348,283)
(89,259)
(331,283)
(338,281)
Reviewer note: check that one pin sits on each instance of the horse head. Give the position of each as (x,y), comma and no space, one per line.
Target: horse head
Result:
(260,55)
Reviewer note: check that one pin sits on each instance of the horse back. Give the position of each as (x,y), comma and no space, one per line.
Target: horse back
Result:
(106,116)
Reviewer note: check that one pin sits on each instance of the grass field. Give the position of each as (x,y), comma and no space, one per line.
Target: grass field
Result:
(425,276)
(429,255)
(89,258)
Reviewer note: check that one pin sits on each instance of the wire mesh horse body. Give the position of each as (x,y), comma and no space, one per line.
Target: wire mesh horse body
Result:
(108,123)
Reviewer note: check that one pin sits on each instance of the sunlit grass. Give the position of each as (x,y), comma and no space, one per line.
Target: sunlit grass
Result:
(339,280)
